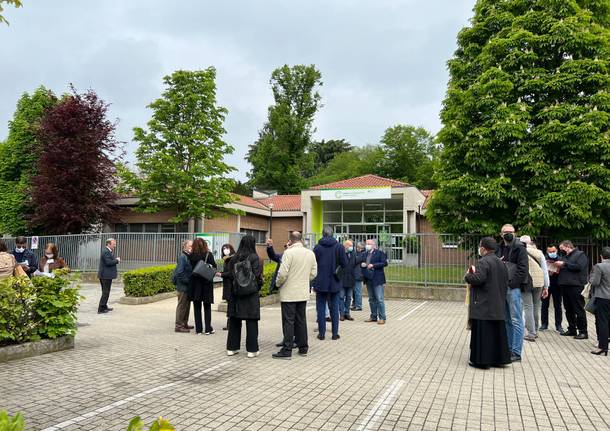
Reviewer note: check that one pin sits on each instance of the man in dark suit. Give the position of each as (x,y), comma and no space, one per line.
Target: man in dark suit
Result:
(24,256)
(106,273)
(374,274)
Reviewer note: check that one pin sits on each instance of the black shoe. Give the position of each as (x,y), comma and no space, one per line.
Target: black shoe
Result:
(600,352)
(515,358)
(320,337)
(559,329)
(336,337)
(543,328)
(102,311)
(481,367)
(348,317)
(224,328)
(281,355)
(581,336)
(328,319)
(303,352)
(109,308)
(568,334)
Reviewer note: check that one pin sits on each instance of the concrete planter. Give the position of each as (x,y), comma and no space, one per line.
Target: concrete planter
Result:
(407,291)
(138,300)
(267,300)
(35,348)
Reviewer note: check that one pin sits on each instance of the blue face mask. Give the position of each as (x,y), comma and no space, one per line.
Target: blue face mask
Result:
(350,249)
(553,255)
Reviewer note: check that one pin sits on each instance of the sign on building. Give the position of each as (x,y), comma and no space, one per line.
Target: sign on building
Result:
(356,194)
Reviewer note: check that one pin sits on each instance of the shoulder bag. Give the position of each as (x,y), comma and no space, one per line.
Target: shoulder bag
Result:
(204,270)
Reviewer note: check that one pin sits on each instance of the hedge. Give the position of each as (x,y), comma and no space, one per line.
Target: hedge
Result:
(158,279)
(43,307)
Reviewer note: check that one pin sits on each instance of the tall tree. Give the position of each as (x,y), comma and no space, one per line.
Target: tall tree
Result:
(18,160)
(73,190)
(180,158)
(279,157)
(408,155)
(526,121)
(16,3)
(359,161)
(324,151)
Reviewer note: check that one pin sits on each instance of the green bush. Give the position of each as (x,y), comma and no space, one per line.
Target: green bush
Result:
(148,281)
(43,307)
(268,271)
(160,424)
(15,423)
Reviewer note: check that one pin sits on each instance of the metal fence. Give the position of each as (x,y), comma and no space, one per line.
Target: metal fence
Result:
(136,250)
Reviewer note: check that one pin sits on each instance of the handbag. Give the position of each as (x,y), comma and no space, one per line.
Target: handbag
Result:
(204,269)
(19,272)
(590,306)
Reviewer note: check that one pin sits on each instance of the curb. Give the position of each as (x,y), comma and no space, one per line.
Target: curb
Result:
(266,300)
(35,348)
(437,293)
(133,300)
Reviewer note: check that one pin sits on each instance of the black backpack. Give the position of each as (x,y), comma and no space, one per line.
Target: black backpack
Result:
(244,279)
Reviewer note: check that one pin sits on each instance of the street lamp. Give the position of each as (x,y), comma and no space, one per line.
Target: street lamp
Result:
(270,219)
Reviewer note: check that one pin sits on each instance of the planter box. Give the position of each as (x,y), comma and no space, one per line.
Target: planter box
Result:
(407,291)
(267,300)
(137,300)
(35,348)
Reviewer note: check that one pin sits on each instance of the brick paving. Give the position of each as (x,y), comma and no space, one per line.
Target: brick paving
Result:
(409,374)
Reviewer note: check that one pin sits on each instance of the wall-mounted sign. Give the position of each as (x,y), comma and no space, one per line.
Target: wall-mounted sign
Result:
(356,194)
(34,244)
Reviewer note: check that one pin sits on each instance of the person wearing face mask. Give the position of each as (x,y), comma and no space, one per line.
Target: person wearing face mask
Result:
(25,257)
(537,288)
(181,278)
(573,268)
(358,279)
(349,280)
(373,271)
(488,284)
(50,261)
(227,277)
(513,253)
(551,258)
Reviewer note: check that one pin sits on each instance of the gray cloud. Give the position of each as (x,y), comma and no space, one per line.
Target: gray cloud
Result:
(382,62)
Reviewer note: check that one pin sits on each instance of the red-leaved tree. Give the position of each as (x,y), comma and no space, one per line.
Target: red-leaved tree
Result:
(73,190)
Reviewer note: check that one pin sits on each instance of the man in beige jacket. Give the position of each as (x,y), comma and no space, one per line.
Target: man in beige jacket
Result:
(297,270)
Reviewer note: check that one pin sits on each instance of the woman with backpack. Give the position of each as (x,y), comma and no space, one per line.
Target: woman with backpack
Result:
(246,270)
(201,290)
(227,280)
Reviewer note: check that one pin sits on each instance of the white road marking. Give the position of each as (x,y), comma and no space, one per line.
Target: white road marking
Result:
(386,400)
(103,409)
(412,311)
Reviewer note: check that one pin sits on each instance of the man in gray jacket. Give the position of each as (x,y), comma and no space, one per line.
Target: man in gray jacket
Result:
(106,273)
(298,269)
(600,284)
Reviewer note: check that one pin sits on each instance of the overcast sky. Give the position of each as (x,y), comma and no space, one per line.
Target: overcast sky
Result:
(383,62)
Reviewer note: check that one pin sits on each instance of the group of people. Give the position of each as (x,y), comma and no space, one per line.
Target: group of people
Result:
(23,261)
(510,289)
(334,271)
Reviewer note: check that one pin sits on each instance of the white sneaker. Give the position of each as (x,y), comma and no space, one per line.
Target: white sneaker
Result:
(232,352)
(252,354)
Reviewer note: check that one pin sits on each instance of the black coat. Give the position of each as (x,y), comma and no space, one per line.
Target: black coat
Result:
(246,307)
(349,270)
(575,269)
(489,284)
(516,253)
(30,257)
(201,289)
(107,269)
(227,279)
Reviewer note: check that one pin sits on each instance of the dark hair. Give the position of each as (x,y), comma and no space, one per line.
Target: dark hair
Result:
(3,246)
(53,248)
(230,247)
(606,253)
(567,243)
(21,240)
(488,243)
(551,246)
(247,247)
(200,246)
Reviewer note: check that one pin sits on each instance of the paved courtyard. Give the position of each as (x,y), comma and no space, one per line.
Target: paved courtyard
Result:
(409,374)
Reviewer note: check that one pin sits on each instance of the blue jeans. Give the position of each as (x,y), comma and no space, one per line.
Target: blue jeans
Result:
(345,300)
(376,302)
(514,321)
(358,294)
(321,304)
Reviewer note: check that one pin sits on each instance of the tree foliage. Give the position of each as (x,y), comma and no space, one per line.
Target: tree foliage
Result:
(359,161)
(180,158)
(279,157)
(526,121)
(324,151)
(16,3)
(18,160)
(73,189)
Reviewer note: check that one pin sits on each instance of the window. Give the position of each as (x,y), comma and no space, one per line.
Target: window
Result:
(151,227)
(393,216)
(168,228)
(121,227)
(136,227)
(259,235)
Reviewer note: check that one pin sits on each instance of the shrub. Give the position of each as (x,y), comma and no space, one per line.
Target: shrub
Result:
(268,270)
(39,308)
(136,424)
(148,281)
(15,423)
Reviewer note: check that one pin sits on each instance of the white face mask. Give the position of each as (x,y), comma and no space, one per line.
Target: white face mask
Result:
(49,255)
(226,251)
(369,247)
(480,251)
(20,250)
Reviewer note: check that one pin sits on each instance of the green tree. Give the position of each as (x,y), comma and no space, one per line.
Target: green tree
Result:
(408,155)
(180,158)
(16,3)
(526,121)
(279,157)
(18,159)
(359,161)
(324,151)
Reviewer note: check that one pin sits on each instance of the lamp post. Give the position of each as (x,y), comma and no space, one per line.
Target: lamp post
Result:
(270,220)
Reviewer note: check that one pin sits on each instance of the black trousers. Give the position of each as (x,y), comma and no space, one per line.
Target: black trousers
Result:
(234,335)
(574,304)
(602,321)
(546,302)
(207,313)
(106,283)
(294,325)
